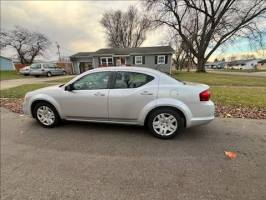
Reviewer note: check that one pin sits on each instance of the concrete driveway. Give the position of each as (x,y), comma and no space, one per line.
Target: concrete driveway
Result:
(94,161)
(5,84)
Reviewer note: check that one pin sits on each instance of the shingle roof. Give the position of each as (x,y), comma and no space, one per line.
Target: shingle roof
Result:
(81,54)
(138,50)
(262,61)
(127,51)
(5,58)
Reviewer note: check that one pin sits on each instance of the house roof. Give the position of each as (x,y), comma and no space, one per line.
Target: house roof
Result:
(128,51)
(83,54)
(262,61)
(5,58)
(240,62)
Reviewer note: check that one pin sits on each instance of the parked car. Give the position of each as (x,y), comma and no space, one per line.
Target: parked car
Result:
(124,95)
(25,71)
(46,69)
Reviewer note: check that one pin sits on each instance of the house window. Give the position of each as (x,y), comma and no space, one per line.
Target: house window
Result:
(107,61)
(138,60)
(161,59)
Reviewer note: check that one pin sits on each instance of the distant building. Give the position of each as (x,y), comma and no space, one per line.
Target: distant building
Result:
(243,64)
(6,64)
(215,65)
(261,65)
(159,57)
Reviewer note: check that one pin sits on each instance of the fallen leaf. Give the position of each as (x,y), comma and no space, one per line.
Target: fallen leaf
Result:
(230,154)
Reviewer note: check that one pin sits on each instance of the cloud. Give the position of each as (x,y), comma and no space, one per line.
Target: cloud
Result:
(74,25)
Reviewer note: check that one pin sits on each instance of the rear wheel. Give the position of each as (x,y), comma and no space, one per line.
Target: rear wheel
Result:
(46,115)
(165,123)
(49,74)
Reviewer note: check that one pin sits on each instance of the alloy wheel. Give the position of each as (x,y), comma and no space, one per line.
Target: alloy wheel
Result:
(165,124)
(45,115)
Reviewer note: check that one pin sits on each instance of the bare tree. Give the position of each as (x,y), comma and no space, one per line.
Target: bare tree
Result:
(125,29)
(215,22)
(27,44)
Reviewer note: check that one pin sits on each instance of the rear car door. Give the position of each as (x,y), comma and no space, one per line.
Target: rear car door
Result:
(130,93)
(35,69)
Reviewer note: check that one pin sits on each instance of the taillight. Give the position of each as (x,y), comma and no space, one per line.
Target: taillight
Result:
(205,95)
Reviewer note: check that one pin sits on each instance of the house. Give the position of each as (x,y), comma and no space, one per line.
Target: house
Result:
(6,64)
(242,64)
(261,65)
(159,57)
(215,65)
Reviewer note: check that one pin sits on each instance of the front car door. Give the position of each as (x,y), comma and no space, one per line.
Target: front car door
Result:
(89,97)
(130,93)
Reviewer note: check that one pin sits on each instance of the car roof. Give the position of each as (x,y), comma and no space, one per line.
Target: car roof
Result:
(163,77)
(129,68)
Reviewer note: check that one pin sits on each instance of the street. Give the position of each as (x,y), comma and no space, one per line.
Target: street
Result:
(96,161)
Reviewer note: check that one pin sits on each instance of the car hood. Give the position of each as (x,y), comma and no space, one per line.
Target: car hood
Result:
(45,90)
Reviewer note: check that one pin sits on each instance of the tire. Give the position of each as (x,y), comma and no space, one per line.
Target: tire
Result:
(37,76)
(165,123)
(49,74)
(64,73)
(52,118)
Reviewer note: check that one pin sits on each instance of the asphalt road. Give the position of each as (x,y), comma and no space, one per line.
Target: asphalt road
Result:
(94,161)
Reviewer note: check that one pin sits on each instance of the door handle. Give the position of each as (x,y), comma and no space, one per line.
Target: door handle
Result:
(99,94)
(146,93)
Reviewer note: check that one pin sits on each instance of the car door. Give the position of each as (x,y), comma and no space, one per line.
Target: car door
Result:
(88,98)
(52,69)
(130,93)
(35,69)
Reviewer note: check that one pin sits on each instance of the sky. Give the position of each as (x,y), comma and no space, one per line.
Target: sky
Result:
(75,25)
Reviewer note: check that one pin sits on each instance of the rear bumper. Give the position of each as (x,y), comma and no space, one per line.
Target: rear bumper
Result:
(200,121)
(203,114)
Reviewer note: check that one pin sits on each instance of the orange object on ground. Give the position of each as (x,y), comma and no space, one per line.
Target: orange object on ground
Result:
(230,154)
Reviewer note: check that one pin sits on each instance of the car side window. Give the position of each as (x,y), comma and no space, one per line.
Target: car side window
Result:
(131,80)
(94,81)
(35,66)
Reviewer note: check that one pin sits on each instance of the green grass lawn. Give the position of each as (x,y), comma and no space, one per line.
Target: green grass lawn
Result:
(7,75)
(20,91)
(239,96)
(220,79)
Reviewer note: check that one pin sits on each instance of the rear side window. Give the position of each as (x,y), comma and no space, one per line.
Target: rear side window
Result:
(131,80)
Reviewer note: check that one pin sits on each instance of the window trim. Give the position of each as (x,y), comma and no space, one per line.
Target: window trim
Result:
(136,60)
(106,59)
(114,75)
(158,58)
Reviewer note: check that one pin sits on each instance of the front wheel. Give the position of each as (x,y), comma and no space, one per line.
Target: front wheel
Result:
(46,115)
(165,123)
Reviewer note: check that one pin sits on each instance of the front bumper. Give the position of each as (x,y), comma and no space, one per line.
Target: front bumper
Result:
(26,108)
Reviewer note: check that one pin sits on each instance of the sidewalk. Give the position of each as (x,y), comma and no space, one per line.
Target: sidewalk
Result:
(5,84)
(257,74)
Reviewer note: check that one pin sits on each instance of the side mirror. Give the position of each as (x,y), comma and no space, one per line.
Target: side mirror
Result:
(69,87)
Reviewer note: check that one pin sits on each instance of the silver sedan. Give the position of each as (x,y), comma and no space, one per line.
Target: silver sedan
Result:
(124,95)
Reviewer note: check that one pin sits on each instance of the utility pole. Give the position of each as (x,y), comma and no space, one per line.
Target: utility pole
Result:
(58,51)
